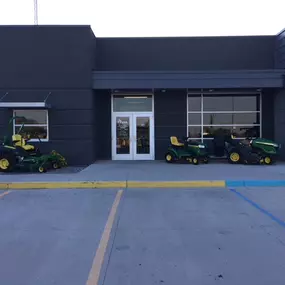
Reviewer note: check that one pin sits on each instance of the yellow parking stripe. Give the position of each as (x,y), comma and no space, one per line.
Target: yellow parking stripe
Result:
(175,184)
(94,273)
(111,184)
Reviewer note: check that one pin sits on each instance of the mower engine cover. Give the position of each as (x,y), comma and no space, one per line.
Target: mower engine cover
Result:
(265,145)
(198,147)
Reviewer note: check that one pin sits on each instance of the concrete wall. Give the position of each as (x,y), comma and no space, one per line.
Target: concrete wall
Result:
(279,120)
(170,114)
(57,59)
(4,119)
(45,56)
(280,50)
(190,53)
(102,124)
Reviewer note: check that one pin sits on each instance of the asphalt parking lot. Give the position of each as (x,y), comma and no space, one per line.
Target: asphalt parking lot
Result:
(143,236)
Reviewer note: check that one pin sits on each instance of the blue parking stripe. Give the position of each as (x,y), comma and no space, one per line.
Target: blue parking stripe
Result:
(255,183)
(266,183)
(234,183)
(258,207)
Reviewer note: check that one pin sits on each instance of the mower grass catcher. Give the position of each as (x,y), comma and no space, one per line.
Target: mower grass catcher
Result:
(248,151)
(18,155)
(191,151)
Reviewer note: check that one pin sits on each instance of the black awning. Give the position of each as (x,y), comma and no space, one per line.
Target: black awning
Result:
(188,79)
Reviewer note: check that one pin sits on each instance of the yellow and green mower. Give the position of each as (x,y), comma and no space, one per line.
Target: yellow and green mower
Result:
(190,151)
(17,154)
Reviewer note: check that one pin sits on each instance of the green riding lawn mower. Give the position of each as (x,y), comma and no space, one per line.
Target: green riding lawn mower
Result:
(247,151)
(17,155)
(189,151)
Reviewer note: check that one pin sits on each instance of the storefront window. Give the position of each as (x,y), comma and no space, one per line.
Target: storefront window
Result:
(194,132)
(194,119)
(238,114)
(239,132)
(218,103)
(230,118)
(31,124)
(194,103)
(135,103)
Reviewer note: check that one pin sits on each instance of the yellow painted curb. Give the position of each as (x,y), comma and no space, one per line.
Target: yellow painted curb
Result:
(63,185)
(175,184)
(3,186)
(110,184)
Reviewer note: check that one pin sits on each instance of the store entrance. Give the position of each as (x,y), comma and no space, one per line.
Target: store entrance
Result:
(133,136)
(132,128)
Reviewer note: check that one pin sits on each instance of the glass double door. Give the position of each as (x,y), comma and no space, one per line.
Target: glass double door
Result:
(132,136)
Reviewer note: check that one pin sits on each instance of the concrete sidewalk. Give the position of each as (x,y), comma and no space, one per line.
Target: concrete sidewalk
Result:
(156,173)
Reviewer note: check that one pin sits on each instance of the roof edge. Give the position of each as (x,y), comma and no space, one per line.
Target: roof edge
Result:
(281,32)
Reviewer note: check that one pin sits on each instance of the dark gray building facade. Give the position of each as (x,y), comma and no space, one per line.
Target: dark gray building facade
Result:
(122,98)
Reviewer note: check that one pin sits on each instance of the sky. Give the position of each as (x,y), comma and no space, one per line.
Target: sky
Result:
(148,18)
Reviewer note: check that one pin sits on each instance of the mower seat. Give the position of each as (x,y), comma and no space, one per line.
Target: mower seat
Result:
(19,141)
(174,141)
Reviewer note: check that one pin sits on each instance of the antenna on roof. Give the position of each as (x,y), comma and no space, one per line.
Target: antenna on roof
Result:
(35,12)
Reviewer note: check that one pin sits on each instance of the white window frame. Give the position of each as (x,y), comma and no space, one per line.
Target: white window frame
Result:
(32,125)
(201,112)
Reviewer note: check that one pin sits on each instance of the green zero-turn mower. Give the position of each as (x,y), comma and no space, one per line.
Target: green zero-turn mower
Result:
(16,154)
(191,151)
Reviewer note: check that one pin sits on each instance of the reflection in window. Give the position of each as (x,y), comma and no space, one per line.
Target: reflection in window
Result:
(218,103)
(130,103)
(194,119)
(237,131)
(123,135)
(31,124)
(32,133)
(230,118)
(194,132)
(246,103)
(230,103)
(194,103)
(143,135)
(238,114)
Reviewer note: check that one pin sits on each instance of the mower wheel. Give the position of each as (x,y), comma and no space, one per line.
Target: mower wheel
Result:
(267,160)
(7,162)
(206,160)
(195,161)
(41,169)
(55,165)
(169,157)
(234,157)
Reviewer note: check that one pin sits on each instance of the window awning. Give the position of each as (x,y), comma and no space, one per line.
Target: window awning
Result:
(273,78)
(11,100)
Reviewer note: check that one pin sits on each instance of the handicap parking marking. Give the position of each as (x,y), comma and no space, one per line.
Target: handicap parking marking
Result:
(258,207)
(4,194)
